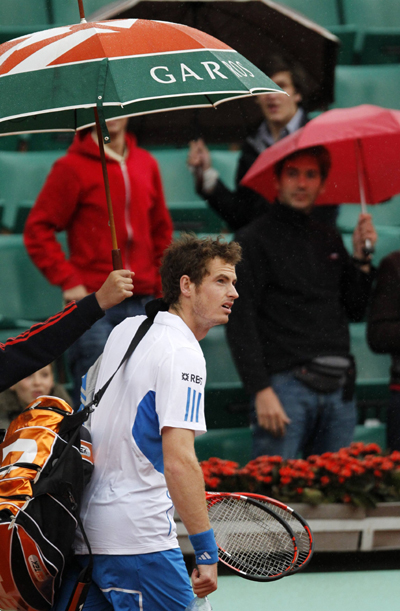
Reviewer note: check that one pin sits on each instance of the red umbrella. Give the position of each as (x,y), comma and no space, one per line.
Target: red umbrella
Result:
(364,144)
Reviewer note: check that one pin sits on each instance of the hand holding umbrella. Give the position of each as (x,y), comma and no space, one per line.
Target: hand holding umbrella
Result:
(364,239)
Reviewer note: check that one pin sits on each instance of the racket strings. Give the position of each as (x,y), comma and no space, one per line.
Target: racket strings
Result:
(250,539)
(301,533)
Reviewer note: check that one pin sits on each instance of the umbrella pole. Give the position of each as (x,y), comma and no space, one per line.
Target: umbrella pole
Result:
(368,248)
(115,253)
(81,11)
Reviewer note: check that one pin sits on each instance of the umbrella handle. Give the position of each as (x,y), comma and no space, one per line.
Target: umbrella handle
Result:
(116,259)
(115,253)
(368,249)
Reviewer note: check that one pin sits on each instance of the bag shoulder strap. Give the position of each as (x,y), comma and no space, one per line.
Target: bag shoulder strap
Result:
(137,338)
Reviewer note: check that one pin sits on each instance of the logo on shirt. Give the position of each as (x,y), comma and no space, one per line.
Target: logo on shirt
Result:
(334,256)
(191,377)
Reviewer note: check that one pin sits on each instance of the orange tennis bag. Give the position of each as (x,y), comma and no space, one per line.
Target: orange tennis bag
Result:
(45,460)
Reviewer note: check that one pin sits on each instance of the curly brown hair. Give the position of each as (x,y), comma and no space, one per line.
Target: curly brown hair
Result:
(190,255)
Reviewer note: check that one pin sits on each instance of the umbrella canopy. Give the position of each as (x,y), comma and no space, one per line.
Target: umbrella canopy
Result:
(364,144)
(52,80)
(258,29)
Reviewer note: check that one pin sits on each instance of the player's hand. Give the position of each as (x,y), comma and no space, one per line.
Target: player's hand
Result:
(364,230)
(76,293)
(270,413)
(116,288)
(204,579)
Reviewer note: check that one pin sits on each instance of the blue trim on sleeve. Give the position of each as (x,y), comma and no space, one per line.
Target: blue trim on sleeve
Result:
(198,407)
(194,409)
(187,403)
(193,404)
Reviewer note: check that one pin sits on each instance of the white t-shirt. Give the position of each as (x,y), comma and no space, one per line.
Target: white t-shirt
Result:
(126,507)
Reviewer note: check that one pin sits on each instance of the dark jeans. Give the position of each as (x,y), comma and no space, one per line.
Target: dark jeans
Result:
(84,352)
(319,422)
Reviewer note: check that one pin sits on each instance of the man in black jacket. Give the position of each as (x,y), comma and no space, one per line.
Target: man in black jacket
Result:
(289,333)
(283,115)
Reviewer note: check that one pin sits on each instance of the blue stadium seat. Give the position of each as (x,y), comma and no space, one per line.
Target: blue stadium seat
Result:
(382,214)
(225,399)
(379,46)
(228,444)
(235,444)
(372,13)
(188,210)
(388,241)
(324,13)
(68,12)
(21,177)
(347,35)
(25,13)
(26,295)
(378,85)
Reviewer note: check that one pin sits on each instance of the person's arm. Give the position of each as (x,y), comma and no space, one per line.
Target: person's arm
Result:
(243,328)
(244,341)
(186,486)
(43,343)
(357,272)
(237,208)
(383,328)
(51,213)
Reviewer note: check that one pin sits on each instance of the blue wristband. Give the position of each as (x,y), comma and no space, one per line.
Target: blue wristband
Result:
(205,548)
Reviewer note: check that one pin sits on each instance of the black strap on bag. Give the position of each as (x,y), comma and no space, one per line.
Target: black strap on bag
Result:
(137,338)
(152,309)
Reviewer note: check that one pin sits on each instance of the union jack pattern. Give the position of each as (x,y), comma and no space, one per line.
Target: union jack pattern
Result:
(93,41)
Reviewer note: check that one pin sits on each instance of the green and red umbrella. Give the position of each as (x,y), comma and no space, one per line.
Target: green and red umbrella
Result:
(53,80)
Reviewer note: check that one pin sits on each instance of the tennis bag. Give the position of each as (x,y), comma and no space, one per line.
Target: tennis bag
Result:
(45,460)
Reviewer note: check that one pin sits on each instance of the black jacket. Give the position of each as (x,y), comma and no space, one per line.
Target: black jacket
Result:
(384,314)
(43,343)
(297,287)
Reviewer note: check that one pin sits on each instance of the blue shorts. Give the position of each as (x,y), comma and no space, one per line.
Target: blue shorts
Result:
(143,582)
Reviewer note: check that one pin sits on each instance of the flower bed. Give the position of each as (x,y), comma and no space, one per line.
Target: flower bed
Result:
(361,475)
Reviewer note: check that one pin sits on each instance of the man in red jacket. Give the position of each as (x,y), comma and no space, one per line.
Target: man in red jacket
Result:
(73,199)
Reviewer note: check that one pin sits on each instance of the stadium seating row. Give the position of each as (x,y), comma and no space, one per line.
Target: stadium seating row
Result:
(235,444)
(188,210)
(369,30)
(365,13)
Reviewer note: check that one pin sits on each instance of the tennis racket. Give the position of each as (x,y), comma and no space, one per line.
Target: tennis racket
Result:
(301,529)
(252,540)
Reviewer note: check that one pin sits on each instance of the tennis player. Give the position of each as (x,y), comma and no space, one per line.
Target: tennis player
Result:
(143,438)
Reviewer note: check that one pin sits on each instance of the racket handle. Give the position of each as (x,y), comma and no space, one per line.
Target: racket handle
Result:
(199,604)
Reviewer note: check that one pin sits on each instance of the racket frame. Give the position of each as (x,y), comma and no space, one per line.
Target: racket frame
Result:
(275,516)
(266,499)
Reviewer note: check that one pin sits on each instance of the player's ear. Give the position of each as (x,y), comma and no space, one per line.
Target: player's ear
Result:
(186,286)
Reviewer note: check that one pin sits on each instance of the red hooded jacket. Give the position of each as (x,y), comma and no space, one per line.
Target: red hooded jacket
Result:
(73,199)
